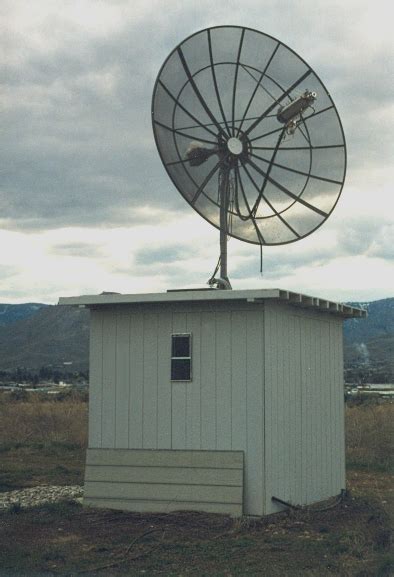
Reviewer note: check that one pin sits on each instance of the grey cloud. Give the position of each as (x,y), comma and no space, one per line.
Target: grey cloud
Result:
(382,245)
(369,237)
(77,249)
(77,155)
(365,80)
(165,254)
(80,148)
(354,239)
(173,273)
(80,187)
(171,262)
(277,264)
(249,268)
(364,103)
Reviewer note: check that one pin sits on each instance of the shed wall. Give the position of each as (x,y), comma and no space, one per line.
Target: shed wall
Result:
(304,404)
(267,380)
(134,404)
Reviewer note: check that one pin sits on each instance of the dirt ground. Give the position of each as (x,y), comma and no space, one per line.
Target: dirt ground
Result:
(349,539)
(30,465)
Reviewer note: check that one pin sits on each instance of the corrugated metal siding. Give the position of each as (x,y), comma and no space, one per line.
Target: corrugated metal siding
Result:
(150,480)
(134,404)
(254,460)
(339,410)
(122,392)
(136,372)
(96,379)
(304,439)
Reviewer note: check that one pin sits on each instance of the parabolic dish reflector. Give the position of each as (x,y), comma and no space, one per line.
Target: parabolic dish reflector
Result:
(232,100)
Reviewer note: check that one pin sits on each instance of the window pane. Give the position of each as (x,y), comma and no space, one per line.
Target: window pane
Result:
(180,369)
(180,346)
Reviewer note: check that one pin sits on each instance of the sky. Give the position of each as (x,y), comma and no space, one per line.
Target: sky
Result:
(86,205)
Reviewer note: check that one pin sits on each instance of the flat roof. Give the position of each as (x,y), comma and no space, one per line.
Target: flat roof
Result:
(253,295)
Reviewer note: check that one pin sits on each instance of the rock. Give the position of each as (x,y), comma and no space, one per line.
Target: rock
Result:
(39,495)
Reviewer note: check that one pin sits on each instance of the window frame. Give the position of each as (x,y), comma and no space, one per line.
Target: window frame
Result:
(189,358)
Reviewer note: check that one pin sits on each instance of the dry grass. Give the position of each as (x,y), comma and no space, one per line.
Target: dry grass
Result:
(44,442)
(369,436)
(37,421)
(369,427)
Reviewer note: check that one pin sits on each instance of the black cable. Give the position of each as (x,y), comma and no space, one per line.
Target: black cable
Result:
(339,500)
(261,259)
(211,280)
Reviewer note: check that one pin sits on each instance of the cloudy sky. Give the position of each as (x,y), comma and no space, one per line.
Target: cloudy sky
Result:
(85,203)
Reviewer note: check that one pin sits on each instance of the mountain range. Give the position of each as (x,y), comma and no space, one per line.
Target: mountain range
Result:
(35,335)
(12,313)
(48,335)
(369,343)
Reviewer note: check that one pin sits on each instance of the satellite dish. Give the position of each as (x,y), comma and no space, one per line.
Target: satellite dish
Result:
(250,136)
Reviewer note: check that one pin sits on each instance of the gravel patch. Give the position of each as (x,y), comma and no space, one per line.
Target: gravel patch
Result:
(40,495)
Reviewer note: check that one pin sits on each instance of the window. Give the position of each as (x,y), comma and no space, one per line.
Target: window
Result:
(181,357)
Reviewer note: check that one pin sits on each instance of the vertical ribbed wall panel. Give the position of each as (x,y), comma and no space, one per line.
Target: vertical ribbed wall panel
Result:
(122,395)
(304,442)
(136,371)
(149,431)
(193,388)
(223,380)
(164,411)
(239,380)
(95,379)
(208,381)
(254,450)
(296,371)
(340,407)
(109,380)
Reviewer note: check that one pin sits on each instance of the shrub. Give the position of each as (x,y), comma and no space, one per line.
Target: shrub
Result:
(369,434)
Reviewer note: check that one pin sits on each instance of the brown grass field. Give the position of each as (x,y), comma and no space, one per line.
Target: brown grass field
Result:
(43,442)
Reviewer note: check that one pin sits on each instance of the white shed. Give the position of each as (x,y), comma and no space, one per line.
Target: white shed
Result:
(214,400)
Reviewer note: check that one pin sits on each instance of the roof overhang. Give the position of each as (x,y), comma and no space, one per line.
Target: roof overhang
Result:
(254,295)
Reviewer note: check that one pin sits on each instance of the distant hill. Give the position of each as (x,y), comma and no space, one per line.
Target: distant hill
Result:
(369,343)
(52,336)
(11,313)
(34,335)
(379,323)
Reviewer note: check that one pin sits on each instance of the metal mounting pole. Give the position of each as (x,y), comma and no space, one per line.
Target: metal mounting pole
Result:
(224,203)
